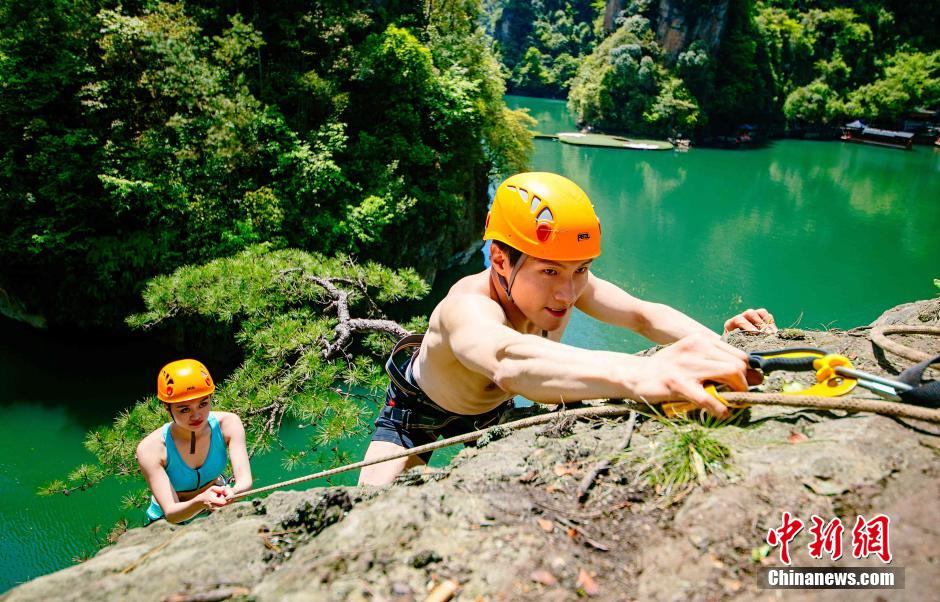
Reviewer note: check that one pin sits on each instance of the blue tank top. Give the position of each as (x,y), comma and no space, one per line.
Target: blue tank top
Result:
(183,478)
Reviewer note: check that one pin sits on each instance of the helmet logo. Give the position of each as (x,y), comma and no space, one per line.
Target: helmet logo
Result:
(584,236)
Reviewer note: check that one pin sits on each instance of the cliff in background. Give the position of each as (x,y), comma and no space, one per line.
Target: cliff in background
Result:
(503,521)
(664,67)
(679,24)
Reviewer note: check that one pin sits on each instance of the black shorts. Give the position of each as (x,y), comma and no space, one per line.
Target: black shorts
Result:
(410,418)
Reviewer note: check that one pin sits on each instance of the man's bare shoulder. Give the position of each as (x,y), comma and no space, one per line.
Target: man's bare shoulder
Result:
(474,284)
(470,296)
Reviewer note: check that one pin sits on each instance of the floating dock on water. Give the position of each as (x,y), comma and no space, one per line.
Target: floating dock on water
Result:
(605,141)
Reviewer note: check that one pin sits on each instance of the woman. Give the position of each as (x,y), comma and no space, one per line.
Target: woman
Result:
(183,460)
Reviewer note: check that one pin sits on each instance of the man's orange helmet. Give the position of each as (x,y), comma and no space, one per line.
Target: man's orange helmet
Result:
(183,380)
(544,215)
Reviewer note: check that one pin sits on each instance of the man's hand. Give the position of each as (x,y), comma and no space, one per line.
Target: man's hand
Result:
(680,371)
(752,320)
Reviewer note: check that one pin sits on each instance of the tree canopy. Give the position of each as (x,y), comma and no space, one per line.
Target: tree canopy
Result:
(142,136)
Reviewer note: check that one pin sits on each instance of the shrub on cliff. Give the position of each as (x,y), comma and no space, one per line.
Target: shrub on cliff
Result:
(624,86)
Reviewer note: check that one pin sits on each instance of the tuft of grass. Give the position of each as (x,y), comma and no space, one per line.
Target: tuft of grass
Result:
(689,452)
(796,322)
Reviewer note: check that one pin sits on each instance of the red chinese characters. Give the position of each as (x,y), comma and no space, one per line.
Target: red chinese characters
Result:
(828,539)
(868,537)
(784,535)
(871,537)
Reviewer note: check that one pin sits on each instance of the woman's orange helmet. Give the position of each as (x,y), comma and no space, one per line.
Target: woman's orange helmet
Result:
(183,380)
(544,215)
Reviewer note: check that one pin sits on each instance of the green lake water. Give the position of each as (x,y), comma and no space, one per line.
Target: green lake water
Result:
(824,234)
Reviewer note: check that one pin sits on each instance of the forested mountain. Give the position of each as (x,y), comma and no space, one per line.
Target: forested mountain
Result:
(140,136)
(144,135)
(677,66)
(542,43)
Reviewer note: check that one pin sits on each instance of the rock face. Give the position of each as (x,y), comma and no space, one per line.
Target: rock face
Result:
(612,10)
(680,23)
(503,521)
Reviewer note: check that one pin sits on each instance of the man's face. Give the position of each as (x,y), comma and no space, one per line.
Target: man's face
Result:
(546,291)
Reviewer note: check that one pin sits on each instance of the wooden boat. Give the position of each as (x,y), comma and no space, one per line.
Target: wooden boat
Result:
(860,133)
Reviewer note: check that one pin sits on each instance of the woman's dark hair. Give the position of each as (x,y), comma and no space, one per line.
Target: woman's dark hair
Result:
(513,253)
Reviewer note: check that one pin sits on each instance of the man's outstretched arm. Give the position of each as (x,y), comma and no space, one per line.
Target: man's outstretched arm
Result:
(657,322)
(551,372)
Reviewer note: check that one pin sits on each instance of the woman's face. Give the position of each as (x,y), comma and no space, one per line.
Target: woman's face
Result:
(191,415)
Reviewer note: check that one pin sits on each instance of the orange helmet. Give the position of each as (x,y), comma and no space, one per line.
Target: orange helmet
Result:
(183,380)
(544,215)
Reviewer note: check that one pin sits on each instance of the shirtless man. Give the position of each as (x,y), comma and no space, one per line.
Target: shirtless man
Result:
(496,334)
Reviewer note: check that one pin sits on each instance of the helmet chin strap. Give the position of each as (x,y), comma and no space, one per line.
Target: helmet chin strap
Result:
(507,286)
(192,436)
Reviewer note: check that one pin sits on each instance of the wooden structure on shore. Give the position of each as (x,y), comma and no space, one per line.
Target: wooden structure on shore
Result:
(859,132)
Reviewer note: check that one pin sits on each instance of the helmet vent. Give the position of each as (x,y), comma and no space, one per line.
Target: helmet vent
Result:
(523,194)
(545,215)
(536,201)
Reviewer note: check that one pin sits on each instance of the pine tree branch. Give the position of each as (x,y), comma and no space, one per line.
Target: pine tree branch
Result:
(346,324)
